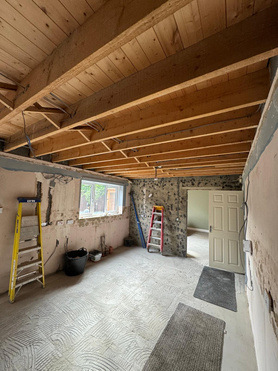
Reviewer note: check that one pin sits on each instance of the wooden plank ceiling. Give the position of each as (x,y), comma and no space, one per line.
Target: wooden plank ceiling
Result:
(134,88)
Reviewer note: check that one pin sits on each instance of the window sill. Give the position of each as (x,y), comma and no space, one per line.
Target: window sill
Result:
(99,216)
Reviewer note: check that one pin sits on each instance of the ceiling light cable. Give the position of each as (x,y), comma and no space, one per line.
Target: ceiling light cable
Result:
(56,106)
(55,96)
(27,138)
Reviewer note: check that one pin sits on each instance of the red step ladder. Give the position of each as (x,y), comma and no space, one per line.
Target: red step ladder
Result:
(155,237)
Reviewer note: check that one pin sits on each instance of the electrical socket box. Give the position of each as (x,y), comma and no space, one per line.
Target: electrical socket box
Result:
(60,222)
(70,221)
(247,246)
(1,210)
(44,224)
(268,301)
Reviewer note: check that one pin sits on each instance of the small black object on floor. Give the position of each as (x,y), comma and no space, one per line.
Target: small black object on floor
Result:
(217,287)
(191,341)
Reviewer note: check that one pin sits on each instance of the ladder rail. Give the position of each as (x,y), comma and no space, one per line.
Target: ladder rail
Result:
(40,254)
(157,210)
(150,231)
(161,242)
(15,254)
(16,276)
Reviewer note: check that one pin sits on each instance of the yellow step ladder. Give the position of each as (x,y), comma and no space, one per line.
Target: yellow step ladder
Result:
(27,240)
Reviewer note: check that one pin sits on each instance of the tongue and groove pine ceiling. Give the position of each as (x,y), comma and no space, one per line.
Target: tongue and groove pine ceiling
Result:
(127,87)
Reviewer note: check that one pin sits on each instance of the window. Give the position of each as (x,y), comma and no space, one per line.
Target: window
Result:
(100,199)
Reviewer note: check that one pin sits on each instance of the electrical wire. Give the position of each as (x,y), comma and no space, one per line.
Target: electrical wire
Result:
(55,105)
(245,204)
(91,125)
(117,140)
(14,81)
(27,138)
(59,99)
(244,227)
(53,252)
(97,125)
(63,179)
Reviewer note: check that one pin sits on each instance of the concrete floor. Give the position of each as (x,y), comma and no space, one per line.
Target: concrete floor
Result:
(110,317)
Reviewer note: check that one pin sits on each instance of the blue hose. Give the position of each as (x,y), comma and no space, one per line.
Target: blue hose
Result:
(143,242)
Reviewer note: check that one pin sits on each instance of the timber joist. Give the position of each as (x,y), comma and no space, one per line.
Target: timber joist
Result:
(150,93)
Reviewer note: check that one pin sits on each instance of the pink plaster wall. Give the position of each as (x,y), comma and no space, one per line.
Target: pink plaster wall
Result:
(262,266)
(65,205)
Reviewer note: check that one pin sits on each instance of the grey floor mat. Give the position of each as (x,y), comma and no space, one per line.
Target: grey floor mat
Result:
(217,287)
(191,341)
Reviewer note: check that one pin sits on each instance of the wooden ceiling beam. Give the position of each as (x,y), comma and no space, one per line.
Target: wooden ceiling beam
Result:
(5,86)
(205,141)
(156,160)
(6,102)
(239,93)
(202,160)
(69,140)
(208,141)
(91,42)
(235,47)
(184,131)
(143,166)
(111,165)
(217,165)
(234,114)
(91,159)
(236,94)
(40,109)
(194,144)
(190,131)
(233,171)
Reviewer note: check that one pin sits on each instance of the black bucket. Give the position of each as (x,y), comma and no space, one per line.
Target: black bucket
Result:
(75,262)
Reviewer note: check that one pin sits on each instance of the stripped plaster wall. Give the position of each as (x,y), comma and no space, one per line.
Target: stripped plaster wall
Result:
(172,194)
(261,194)
(64,206)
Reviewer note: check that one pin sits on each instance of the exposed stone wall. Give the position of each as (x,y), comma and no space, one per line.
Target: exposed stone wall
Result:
(172,194)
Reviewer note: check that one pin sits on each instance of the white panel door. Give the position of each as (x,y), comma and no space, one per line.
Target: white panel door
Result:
(225,221)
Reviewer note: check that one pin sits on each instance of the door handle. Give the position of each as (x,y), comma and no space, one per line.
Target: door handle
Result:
(210,228)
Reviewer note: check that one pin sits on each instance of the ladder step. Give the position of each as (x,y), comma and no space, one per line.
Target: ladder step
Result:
(153,244)
(28,233)
(156,229)
(28,249)
(156,238)
(27,239)
(157,221)
(156,213)
(29,264)
(35,278)
(25,275)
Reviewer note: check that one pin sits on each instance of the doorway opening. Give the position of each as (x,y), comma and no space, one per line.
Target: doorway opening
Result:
(198,225)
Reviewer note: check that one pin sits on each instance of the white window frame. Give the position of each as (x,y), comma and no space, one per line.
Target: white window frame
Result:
(118,200)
